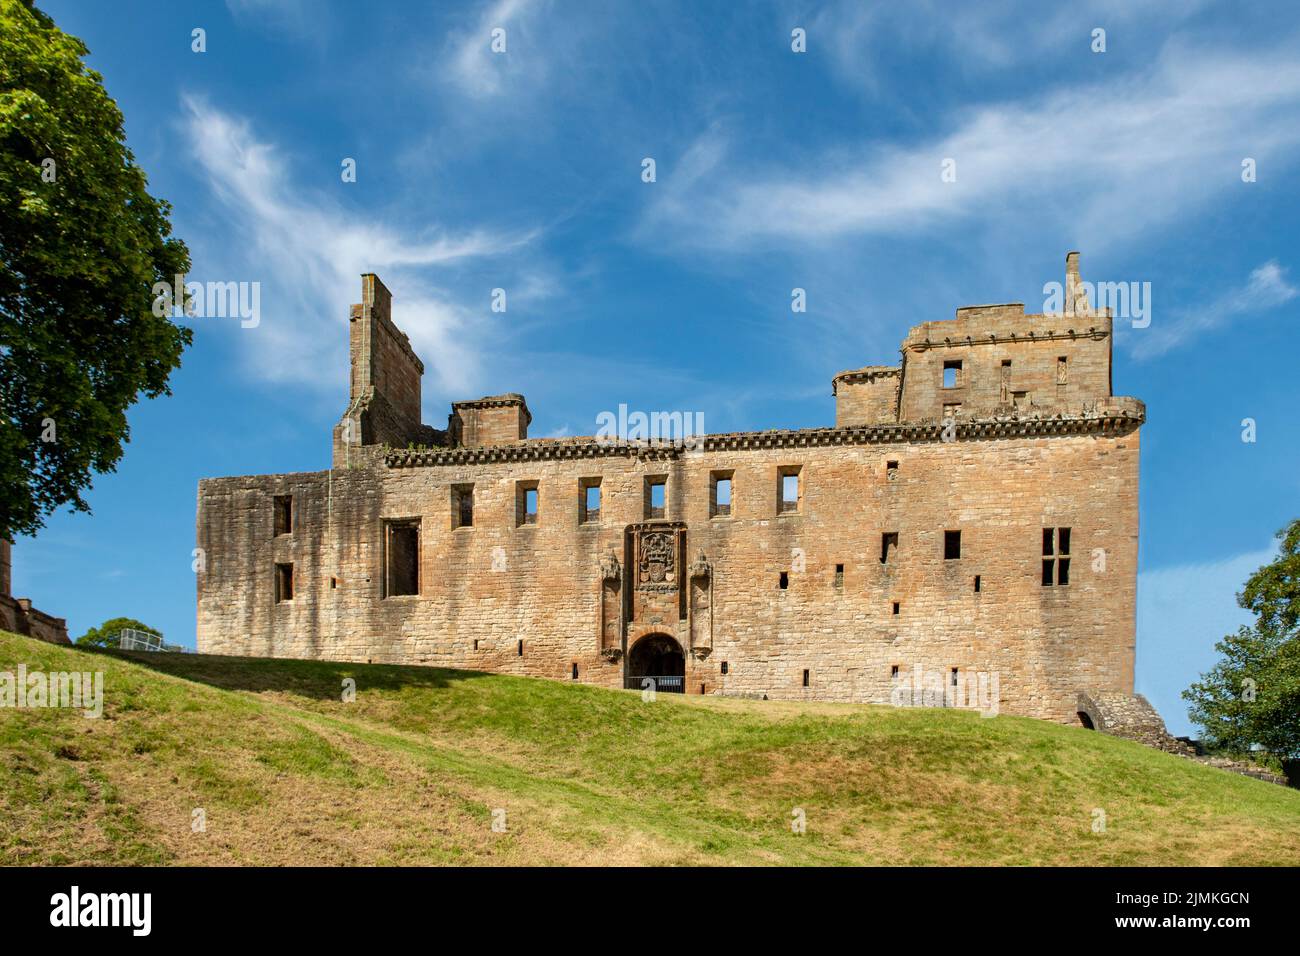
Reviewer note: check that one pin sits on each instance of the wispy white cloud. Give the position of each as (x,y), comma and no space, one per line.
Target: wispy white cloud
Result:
(308,252)
(1266,288)
(1110,160)
(479,71)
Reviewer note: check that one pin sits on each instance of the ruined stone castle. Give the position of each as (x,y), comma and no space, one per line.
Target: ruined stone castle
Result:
(973,511)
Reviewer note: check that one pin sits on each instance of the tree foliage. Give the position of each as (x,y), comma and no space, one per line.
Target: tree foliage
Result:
(106,634)
(1251,697)
(81,245)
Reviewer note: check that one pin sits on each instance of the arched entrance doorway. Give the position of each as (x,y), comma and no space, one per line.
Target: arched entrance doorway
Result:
(659,657)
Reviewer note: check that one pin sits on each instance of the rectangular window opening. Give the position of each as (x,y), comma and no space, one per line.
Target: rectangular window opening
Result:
(953,678)
(952,373)
(724,667)
(462,506)
(527,502)
(788,490)
(575,671)
(951,545)
(896,608)
(283,514)
(888,545)
(805,677)
(893,672)
(656,495)
(784,582)
(839,575)
(977,584)
(589,500)
(401,558)
(1056,557)
(283,583)
(891,471)
(720,494)
(519,650)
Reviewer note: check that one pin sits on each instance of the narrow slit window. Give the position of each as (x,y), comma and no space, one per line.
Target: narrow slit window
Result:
(283,514)
(893,672)
(953,678)
(401,558)
(519,649)
(805,677)
(575,671)
(784,581)
(1062,370)
(888,546)
(724,667)
(897,608)
(951,545)
(977,584)
(283,583)
(839,575)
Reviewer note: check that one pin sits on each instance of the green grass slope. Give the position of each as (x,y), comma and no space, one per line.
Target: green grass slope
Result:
(411,772)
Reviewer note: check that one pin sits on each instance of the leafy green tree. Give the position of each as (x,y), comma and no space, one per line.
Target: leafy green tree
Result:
(82,244)
(106,634)
(1251,698)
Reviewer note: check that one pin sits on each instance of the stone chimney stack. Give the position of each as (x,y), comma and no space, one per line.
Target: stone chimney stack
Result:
(1076,296)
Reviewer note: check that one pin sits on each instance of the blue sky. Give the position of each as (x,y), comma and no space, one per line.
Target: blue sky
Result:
(775,170)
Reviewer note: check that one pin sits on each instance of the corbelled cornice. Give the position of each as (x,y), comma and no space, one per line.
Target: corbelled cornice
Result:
(1119,416)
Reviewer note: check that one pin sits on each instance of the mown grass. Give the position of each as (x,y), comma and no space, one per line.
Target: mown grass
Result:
(411,771)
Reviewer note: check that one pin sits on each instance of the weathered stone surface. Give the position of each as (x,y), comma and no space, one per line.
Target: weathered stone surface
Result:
(556,595)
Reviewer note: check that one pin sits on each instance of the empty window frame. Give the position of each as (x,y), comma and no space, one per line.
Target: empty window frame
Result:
(527,503)
(888,545)
(951,545)
(720,494)
(283,505)
(891,471)
(1062,370)
(789,489)
(656,496)
(402,557)
(589,500)
(951,410)
(283,582)
(1056,557)
(839,575)
(952,377)
(462,506)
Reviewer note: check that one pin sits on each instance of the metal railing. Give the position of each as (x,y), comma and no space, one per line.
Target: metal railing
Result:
(664,684)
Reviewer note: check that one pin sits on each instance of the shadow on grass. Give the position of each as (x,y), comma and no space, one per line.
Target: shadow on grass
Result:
(320,680)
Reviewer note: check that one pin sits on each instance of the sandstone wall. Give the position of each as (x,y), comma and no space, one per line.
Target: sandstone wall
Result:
(485,588)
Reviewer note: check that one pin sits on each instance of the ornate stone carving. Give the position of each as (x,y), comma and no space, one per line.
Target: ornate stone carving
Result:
(657,561)
(612,654)
(701,568)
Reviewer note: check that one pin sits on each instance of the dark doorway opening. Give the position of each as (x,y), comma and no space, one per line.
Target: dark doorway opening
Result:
(659,658)
(1086,721)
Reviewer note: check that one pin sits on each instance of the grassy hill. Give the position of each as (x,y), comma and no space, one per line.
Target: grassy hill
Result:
(411,771)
